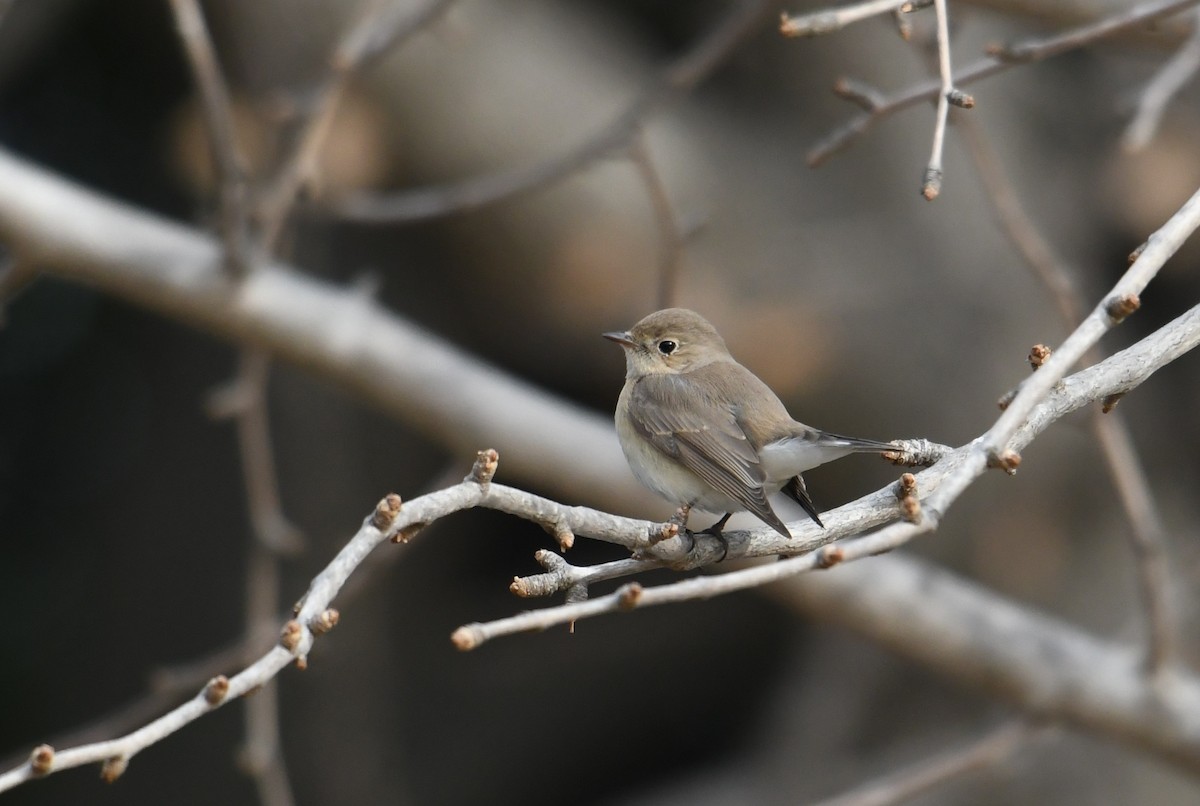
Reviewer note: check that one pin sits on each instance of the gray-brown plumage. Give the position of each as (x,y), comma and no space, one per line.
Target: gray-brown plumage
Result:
(703,431)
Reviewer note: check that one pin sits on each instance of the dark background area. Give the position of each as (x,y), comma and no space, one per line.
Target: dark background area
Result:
(123,521)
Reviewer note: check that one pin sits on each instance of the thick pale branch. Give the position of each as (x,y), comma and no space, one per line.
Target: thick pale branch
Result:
(1043,665)
(452,396)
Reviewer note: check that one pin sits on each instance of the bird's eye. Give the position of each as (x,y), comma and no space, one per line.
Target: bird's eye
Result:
(666,346)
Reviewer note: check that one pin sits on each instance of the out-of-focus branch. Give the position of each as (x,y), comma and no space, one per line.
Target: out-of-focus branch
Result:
(1046,667)
(931,187)
(670,234)
(1153,101)
(996,747)
(383,25)
(828,20)
(615,138)
(334,331)
(1002,58)
(1147,533)
(175,270)
(228,165)
(245,401)
(262,754)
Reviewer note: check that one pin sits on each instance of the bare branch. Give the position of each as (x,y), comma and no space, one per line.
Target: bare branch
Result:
(994,748)
(1147,533)
(229,167)
(1002,59)
(1121,300)
(1177,72)
(670,235)
(828,20)
(384,24)
(932,184)
(940,486)
(1035,661)
(471,194)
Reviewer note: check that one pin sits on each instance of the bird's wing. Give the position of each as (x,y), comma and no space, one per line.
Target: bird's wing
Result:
(702,434)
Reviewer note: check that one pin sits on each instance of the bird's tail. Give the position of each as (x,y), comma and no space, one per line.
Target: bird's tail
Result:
(856,445)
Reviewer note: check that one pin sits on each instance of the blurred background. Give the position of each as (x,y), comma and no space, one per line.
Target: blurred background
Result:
(871,312)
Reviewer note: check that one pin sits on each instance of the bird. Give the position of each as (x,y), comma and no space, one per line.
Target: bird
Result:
(702,431)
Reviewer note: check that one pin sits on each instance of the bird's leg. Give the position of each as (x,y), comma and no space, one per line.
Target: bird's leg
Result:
(717,531)
(680,519)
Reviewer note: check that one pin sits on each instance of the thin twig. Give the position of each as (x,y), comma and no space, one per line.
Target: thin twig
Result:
(229,170)
(1121,300)
(993,748)
(1003,58)
(1156,95)
(383,25)
(828,20)
(670,235)
(471,194)
(1146,531)
(931,186)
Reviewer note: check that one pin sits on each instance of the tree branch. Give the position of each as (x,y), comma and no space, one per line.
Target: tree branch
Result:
(1002,58)
(471,194)
(1146,531)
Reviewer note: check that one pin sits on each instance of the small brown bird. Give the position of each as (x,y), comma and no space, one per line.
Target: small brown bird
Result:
(703,431)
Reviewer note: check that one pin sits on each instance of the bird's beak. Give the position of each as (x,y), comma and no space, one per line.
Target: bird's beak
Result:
(620,338)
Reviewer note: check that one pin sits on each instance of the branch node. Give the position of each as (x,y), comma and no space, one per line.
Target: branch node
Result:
(1038,354)
(467,637)
(386,511)
(859,93)
(628,596)
(41,760)
(906,492)
(550,561)
(663,531)
(113,768)
(1120,307)
(1137,253)
(830,556)
(291,634)
(1109,403)
(1007,460)
(915,453)
(962,100)
(485,467)
(407,533)
(932,186)
(808,24)
(324,621)
(216,690)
